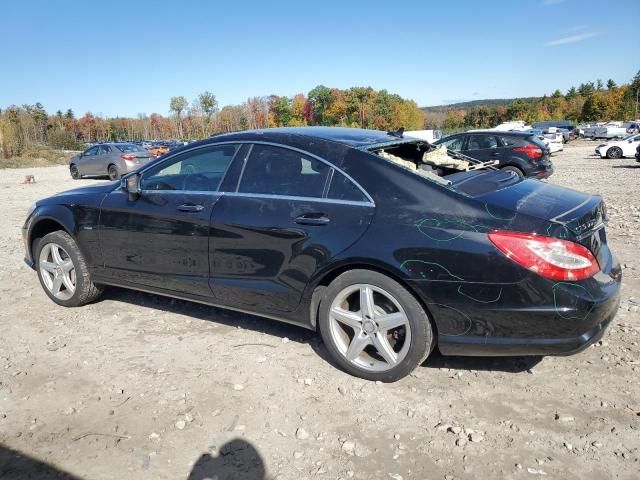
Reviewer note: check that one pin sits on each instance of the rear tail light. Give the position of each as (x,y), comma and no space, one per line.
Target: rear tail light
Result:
(549,257)
(530,151)
(128,158)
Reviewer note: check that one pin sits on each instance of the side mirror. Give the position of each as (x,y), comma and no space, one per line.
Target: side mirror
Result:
(131,185)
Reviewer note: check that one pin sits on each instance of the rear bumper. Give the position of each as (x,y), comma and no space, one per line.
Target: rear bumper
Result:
(545,171)
(485,346)
(533,317)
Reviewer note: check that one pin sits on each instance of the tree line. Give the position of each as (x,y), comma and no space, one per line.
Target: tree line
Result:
(22,127)
(28,125)
(589,102)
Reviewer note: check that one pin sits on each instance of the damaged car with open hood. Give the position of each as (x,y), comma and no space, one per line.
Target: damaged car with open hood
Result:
(386,247)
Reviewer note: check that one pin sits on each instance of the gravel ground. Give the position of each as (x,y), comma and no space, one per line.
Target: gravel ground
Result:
(141,386)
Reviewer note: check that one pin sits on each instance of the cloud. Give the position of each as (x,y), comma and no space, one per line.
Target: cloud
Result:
(571,39)
(548,3)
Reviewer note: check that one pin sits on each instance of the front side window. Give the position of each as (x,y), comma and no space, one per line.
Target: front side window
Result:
(91,152)
(199,170)
(279,171)
(104,149)
(454,144)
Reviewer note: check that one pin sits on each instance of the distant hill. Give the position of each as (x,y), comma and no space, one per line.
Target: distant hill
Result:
(489,102)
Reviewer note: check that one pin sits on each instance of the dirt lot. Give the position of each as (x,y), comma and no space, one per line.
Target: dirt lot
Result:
(140,386)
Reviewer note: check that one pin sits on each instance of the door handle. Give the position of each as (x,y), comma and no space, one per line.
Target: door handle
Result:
(495,154)
(318,219)
(189,207)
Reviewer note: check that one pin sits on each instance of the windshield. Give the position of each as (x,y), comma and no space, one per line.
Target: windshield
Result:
(129,148)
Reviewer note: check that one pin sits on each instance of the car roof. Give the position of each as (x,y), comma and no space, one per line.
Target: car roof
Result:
(496,132)
(352,137)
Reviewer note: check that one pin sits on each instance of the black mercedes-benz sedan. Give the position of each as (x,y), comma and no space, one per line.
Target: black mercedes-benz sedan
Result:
(349,232)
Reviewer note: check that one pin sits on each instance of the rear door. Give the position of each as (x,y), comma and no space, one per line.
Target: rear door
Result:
(483,147)
(100,162)
(161,240)
(285,218)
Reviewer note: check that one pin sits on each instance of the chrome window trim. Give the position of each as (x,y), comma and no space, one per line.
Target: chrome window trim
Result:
(291,197)
(258,142)
(304,152)
(184,192)
(244,165)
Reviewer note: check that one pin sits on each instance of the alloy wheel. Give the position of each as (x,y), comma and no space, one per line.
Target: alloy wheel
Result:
(369,327)
(614,152)
(57,271)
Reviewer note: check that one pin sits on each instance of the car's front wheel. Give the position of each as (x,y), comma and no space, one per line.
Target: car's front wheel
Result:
(373,327)
(75,173)
(63,272)
(614,152)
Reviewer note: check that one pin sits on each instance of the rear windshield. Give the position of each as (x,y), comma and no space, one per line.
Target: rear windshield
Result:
(537,141)
(129,148)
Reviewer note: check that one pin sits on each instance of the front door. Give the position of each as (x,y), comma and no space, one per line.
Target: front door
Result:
(286,217)
(87,160)
(161,240)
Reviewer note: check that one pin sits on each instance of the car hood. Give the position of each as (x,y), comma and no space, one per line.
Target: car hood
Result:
(89,191)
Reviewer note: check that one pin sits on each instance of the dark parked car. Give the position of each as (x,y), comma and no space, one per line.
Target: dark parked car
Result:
(108,159)
(312,226)
(523,153)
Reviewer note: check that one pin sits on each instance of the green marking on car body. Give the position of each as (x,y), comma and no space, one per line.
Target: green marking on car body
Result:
(402,265)
(486,207)
(480,301)
(558,309)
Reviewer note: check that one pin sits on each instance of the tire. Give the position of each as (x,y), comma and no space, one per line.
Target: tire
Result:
(406,343)
(75,173)
(516,170)
(113,173)
(67,284)
(614,152)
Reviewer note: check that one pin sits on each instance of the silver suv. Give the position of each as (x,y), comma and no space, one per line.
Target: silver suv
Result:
(111,159)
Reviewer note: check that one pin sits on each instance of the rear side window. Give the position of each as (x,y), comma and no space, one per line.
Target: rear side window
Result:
(128,148)
(342,188)
(274,170)
(508,141)
(481,142)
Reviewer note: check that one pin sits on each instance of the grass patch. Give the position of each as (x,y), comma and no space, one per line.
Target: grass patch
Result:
(38,156)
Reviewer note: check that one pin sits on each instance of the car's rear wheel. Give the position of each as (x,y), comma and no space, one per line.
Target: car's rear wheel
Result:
(614,152)
(516,170)
(63,272)
(373,327)
(75,173)
(113,172)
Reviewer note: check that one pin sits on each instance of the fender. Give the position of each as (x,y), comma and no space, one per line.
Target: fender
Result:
(77,221)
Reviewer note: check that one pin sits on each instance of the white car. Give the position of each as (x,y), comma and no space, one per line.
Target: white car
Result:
(555,139)
(619,148)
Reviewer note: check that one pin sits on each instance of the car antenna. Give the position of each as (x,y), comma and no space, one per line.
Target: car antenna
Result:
(398,133)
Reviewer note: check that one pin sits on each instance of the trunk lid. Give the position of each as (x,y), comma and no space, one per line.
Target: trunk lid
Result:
(565,213)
